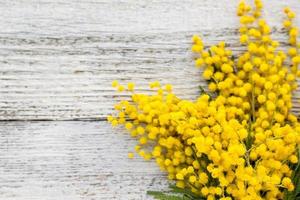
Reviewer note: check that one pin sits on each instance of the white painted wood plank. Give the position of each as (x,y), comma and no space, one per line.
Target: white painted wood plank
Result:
(70,161)
(58,57)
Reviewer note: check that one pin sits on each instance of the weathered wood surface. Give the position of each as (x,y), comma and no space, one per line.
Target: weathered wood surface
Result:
(58,57)
(57,61)
(70,161)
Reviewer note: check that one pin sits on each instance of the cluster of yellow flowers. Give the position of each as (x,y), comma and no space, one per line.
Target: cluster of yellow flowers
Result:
(240,139)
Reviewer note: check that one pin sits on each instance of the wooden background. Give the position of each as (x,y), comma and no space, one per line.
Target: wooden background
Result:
(58,59)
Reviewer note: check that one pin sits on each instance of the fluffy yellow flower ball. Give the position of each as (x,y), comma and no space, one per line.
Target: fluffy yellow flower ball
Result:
(240,140)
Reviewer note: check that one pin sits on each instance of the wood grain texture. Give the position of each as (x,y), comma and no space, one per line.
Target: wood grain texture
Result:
(58,57)
(71,161)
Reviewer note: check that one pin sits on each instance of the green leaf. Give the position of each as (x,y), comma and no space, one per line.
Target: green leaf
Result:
(202,91)
(175,193)
(163,196)
(295,195)
(296,179)
(191,195)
